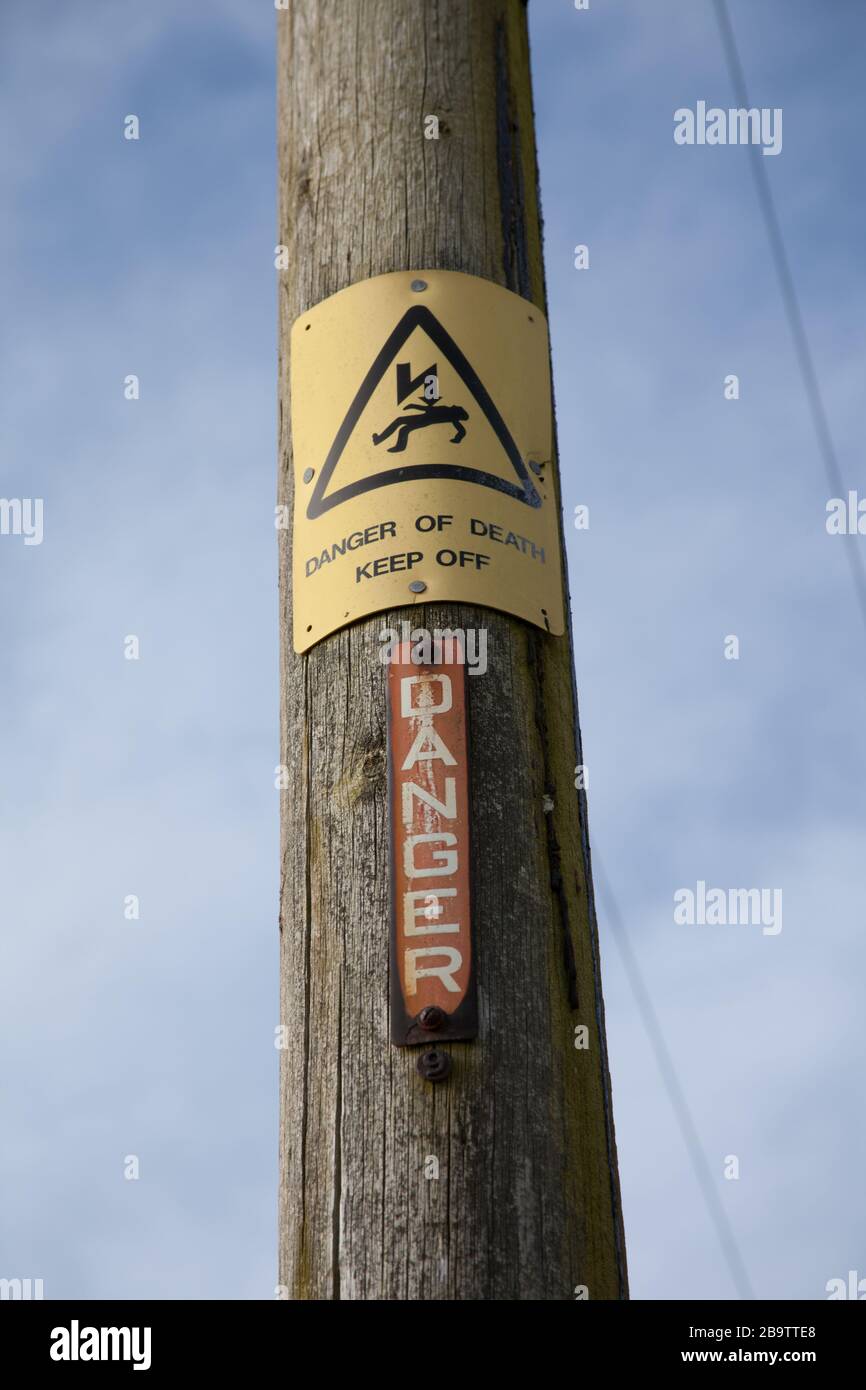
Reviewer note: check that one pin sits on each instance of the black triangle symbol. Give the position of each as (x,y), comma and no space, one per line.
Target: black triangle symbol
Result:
(421,317)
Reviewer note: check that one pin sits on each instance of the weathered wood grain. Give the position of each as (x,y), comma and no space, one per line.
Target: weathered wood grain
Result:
(527,1203)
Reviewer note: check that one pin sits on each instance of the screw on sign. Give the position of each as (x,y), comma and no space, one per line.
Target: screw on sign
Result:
(432,982)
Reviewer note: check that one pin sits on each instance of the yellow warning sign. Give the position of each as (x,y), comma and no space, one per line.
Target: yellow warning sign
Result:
(422,436)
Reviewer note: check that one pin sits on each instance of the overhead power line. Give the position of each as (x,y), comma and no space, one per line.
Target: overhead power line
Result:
(676,1094)
(791,302)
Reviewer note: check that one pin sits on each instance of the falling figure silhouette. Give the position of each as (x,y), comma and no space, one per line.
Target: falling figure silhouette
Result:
(429,414)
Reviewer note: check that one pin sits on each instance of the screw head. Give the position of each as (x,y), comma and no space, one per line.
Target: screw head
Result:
(417,586)
(434,1065)
(308,474)
(419,285)
(431,1018)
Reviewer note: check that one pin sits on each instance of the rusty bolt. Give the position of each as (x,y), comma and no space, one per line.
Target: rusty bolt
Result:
(431,1018)
(434,1065)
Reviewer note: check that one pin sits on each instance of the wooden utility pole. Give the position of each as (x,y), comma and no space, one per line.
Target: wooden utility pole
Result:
(526,1204)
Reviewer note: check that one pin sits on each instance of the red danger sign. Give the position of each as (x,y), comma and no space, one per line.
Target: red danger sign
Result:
(432,986)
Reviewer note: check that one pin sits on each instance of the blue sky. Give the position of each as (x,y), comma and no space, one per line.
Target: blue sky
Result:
(155,777)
